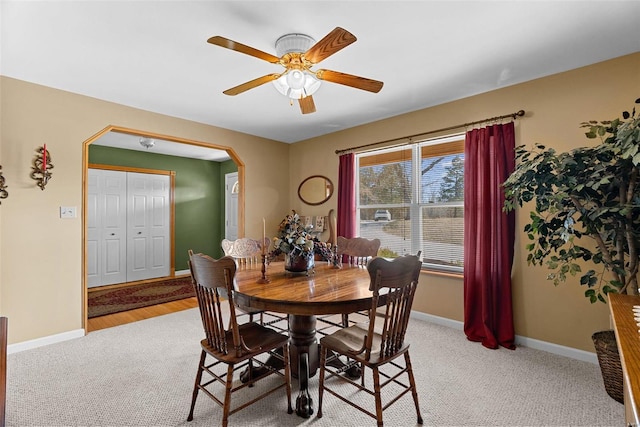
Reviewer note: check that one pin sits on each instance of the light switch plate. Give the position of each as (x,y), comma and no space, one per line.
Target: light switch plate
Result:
(67,211)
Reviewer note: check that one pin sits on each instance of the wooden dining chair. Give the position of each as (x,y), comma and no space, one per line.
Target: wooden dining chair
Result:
(378,343)
(246,251)
(358,250)
(248,254)
(355,251)
(237,346)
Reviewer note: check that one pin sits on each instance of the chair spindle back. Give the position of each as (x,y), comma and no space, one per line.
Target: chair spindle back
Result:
(358,249)
(213,283)
(399,278)
(245,251)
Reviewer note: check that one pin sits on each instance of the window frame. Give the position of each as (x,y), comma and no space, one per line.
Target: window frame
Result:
(416,204)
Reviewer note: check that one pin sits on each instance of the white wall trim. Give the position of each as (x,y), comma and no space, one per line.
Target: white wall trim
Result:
(182,272)
(560,350)
(39,342)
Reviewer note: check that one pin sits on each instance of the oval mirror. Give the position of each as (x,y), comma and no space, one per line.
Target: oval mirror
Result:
(315,190)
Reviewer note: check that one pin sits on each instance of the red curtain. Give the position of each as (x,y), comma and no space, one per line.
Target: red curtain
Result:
(346,221)
(489,234)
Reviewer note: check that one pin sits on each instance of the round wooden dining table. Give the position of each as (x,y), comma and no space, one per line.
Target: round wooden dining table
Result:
(326,290)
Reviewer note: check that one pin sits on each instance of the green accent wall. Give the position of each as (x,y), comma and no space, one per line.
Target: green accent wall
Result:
(199,196)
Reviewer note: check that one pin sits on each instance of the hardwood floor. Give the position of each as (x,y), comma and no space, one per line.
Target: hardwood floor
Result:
(110,320)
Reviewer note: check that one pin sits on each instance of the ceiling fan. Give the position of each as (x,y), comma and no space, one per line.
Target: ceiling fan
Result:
(297,54)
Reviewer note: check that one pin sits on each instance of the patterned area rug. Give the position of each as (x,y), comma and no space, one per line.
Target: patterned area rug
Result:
(110,301)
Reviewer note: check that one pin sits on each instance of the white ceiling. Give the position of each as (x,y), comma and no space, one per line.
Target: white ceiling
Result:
(169,148)
(154,55)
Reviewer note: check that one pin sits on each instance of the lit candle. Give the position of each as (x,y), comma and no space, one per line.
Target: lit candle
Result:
(44,158)
(264,236)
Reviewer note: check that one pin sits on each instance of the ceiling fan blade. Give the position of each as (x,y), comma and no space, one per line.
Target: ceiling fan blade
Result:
(307,105)
(251,84)
(350,80)
(239,47)
(337,39)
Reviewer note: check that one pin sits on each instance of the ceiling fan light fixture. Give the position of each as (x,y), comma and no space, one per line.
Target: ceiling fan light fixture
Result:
(296,83)
(305,84)
(147,142)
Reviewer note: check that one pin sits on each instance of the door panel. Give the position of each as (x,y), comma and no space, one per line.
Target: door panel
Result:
(114,223)
(106,227)
(158,248)
(93,231)
(159,226)
(128,224)
(112,264)
(137,259)
(149,251)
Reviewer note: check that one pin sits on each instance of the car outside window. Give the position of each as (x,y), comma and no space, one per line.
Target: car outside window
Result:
(382,215)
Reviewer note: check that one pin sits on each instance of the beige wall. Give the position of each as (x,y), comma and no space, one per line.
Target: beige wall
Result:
(555,106)
(40,254)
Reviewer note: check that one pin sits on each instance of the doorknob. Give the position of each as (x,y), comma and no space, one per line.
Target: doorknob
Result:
(139,232)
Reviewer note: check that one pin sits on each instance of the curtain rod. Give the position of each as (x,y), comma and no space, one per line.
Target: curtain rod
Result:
(410,138)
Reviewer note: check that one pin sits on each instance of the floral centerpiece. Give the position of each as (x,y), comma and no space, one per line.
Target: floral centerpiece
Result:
(298,244)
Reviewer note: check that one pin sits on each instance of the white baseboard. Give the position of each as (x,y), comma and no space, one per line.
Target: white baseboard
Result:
(65,336)
(39,342)
(442,321)
(561,350)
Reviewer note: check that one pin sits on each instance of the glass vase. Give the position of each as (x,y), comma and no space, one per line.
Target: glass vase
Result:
(299,263)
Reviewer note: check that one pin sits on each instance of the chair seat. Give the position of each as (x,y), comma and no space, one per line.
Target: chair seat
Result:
(256,337)
(349,341)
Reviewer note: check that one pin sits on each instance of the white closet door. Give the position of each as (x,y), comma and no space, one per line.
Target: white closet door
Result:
(106,228)
(148,241)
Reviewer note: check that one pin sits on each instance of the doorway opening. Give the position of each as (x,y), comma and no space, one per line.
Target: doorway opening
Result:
(172,149)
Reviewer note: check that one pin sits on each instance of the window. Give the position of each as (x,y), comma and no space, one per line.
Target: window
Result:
(411,198)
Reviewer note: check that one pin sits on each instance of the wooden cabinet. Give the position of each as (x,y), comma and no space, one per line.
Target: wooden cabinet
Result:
(628,339)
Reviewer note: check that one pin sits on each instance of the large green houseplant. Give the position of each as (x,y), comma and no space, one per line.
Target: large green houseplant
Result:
(587,207)
(587,212)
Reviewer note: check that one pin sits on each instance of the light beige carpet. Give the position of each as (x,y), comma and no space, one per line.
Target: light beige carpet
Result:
(142,374)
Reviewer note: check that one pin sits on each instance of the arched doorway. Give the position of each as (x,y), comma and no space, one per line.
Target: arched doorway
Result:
(131,139)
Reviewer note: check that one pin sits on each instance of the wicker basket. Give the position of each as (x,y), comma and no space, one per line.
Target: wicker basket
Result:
(610,365)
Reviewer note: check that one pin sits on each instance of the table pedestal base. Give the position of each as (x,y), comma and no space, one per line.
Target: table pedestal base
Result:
(304,349)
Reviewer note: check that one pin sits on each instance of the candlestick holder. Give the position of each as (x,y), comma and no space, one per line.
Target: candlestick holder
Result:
(264,278)
(336,259)
(3,188)
(41,167)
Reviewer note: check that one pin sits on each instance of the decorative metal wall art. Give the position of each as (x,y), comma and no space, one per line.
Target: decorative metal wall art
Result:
(41,167)
(3,188)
